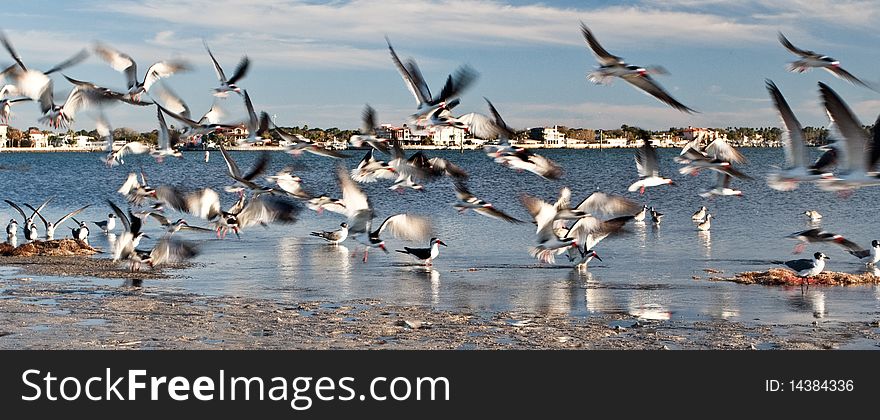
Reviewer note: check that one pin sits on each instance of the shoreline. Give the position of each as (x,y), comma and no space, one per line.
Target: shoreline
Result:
(82,314)
(407,147)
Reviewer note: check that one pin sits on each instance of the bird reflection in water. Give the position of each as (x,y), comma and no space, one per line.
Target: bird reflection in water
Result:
(812,301)
(641,232)
(330,258)
(651,312)
(706,241)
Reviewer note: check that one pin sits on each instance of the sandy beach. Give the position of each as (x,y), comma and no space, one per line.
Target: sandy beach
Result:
(139,314)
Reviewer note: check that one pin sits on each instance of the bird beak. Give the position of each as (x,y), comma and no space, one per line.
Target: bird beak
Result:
(147,236)
(441,243)
(597,256)
(382,247)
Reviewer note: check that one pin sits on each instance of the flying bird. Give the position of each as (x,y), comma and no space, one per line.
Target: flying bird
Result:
(123,63)
(228,85)
(648,169)
(811,59)
(611,66)
(466,201)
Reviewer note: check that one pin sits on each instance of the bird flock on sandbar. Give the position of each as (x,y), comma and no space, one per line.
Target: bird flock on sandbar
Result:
(846,164)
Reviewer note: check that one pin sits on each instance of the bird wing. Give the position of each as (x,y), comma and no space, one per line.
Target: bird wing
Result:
(788,45)
(18,209)
(602,55)
(608,205)
(855,141)
(263,210)
(544,167)
(456,83)
(240,70)
(354,199)
(719,149)
(159,218)
(8,45)
(168,249)
(119,61)
(481,126)
(648,85)
(543,212)
(217,69)
(849,77)
(71,214)
(407,227)
(234,172)
(799,265)
(793,140)
(37,212)
(121,216)
(408,79)
(163,69)
(646,160)
(171,101)
(369,120)
(73,60)
(491,211)
(506,131)
(164,137)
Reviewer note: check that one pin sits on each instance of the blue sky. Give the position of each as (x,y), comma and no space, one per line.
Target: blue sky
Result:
(318,63)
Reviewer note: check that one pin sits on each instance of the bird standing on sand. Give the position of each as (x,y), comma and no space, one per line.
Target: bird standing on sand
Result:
(80,233)
(335,237)
(425,254)
(805,268)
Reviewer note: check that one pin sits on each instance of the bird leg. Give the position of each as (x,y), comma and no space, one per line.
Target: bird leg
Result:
(642,190)
(366,252)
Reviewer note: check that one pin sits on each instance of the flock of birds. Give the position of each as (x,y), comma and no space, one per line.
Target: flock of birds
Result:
(561,228)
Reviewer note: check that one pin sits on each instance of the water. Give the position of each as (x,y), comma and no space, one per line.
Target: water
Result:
(647,272)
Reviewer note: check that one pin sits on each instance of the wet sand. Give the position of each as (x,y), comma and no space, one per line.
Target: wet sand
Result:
(84,315)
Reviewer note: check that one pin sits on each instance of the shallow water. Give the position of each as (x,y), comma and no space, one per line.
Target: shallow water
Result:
(647,271)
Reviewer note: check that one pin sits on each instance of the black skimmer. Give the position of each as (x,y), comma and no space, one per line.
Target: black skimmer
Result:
(412,76)
(370,169)
(695,159)
(136,190)
(256,210)
(321,203)
(81,232)
(418,168)
(335,237)
(108,225)
(522,159)
(810,59)
(33,83)
(166,250)
(124,246)
(548,238)
(611,66)
(466,201)
(486,127)
(290,184)
(596,217)
(706,223)
(6,108)
(176,226)
(858,155)
(805,268)
(722,185)
(245,181)
(228,85)
(648,168)
(123,63)
(813,215)
(49,225)
(195,128)
(796,169)
(114,158)
(203,203)
(12,231)
(869,256)
(166,141)
(640,216)
(360,215)
(700,214)
(29,227)
(818,236)
(656,216)
(428,255)
(368,133)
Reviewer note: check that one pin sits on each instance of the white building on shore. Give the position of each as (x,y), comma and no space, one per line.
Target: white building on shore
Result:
(3,134)
(447,136)
(548,136)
